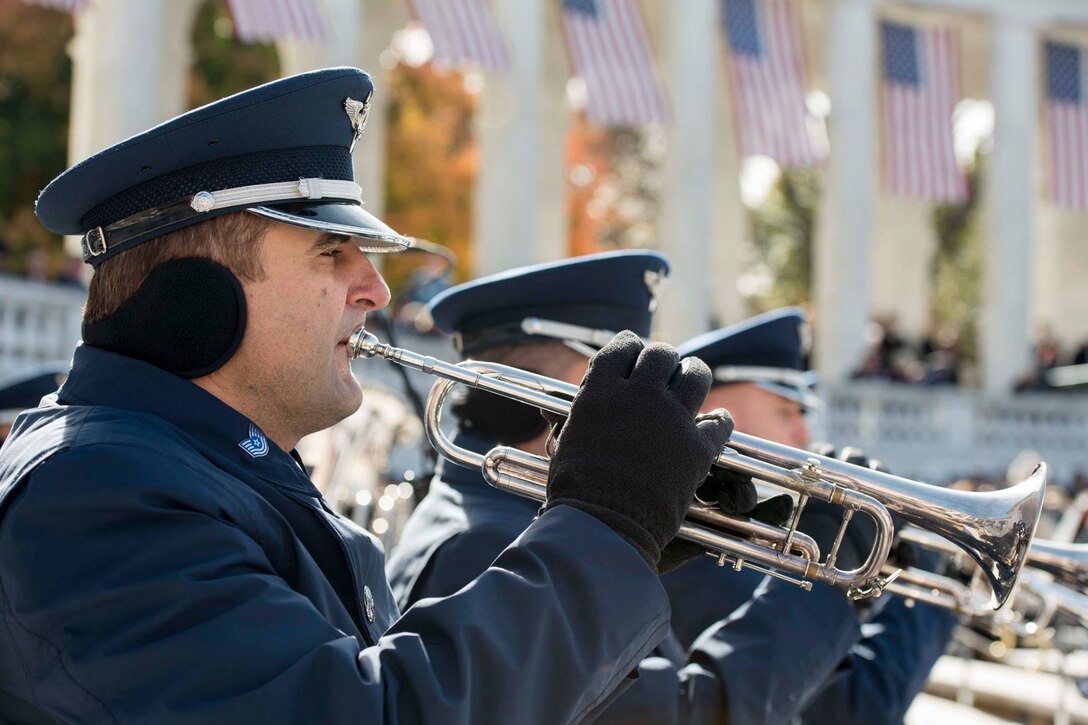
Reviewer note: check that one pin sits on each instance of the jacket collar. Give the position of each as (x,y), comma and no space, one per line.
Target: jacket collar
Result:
(101,377)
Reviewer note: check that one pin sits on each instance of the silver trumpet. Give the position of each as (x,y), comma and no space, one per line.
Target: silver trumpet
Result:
(1066,563)
(994,528)
(1055,597)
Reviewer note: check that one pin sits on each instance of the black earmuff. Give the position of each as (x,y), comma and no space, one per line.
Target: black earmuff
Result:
(188,317)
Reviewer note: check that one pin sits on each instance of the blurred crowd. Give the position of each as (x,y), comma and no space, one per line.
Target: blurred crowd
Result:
(1055,367)
(937,359)
(934,360)
(38,265)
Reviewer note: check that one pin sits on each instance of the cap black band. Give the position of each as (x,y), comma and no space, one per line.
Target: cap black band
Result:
(264,167)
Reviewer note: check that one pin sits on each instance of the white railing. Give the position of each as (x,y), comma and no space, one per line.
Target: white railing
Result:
(39,322)
(936,433)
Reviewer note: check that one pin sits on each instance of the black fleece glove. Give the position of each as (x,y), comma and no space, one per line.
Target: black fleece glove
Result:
(735,494)
(632,453)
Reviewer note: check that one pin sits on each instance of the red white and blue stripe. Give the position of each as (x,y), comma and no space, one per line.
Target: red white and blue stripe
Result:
(610,51)
(270,20)
(768,77)
(920,89)
(1066,124)
(68,6)
(463,31)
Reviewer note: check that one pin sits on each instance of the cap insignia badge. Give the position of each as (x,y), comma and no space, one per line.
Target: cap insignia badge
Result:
(655,283)
(357,112)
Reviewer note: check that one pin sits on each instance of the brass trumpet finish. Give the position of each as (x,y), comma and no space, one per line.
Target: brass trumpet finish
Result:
(994,529)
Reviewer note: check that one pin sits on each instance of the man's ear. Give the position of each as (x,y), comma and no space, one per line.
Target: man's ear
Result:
(188,317)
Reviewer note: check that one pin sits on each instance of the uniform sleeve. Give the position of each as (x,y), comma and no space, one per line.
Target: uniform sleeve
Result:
(135,602)
(662,690)
(457,562)
(887,668)
(777,650)
(665,694)
(703,593)
(759,664)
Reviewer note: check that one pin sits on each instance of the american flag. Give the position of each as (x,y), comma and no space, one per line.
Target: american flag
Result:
(610,50)
(767,73)
(267,20)
(920,85)
(1066,122)
(69,6)
(463,30)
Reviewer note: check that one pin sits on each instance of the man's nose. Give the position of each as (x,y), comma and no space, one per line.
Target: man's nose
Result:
(368,289)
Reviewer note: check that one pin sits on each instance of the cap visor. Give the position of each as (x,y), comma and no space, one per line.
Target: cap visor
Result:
(338,218)
(803,395)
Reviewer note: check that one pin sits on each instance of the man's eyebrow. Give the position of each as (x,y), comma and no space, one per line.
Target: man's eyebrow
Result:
(329,240)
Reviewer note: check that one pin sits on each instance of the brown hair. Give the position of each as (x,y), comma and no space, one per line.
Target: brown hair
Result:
(233,240)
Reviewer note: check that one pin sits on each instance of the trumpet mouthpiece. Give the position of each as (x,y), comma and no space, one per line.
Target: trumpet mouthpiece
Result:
(363,344)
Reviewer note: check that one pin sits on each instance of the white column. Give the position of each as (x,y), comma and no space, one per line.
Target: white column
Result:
(130,62)
(729,234)
(553,222)
(902,254)
(1059,297)
(846,218)
(688,189)
(1010,205)
(517,152)
(361,31)
(130,66)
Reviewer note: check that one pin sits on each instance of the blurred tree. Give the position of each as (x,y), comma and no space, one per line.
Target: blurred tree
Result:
(222,64)
(35,78)
(783,230)
(35,92)
(431,164)
(614,182)
(956,267)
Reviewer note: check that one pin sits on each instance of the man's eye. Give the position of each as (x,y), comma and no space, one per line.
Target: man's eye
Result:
(332,253)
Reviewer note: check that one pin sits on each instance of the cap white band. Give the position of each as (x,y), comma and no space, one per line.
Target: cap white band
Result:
(205,201)
(759,374)
(569,333)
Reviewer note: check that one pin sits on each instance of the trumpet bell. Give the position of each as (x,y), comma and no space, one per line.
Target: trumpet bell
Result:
(1000,536)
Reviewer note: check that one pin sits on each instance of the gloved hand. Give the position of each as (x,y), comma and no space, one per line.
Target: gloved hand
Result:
(632,453)
(735,494)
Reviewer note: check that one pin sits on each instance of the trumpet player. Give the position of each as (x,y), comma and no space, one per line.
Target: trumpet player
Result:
(885,660)
(164,557)
(548,319)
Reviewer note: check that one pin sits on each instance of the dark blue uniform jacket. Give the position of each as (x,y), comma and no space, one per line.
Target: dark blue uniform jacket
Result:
(146,576)
(880,672)
(742,668)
